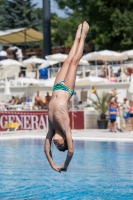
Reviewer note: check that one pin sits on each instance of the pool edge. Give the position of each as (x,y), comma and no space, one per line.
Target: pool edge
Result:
(102,139)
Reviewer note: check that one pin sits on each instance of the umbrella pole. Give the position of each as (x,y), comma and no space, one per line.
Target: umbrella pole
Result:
(26,94)
(121,73)
(96,68)
(83,72)
(25,42)
(36,71)
(109,72)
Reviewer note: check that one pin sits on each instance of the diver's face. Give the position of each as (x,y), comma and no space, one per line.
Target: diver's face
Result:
(59,141)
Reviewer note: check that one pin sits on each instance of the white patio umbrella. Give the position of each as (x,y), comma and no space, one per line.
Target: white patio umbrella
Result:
(25,81)
(9,62)
(128,53)
(61,58)
(12,48)
(90,80)
(33,61)
(83,62)
(90,56)
(47,63)
(9,71)
(49,82)
(107,55)
(57,57)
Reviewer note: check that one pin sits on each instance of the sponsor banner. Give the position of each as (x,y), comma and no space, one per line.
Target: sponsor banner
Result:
(33,120)
(76,119)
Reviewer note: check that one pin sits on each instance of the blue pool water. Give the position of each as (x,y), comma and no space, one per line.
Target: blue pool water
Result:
(98,171)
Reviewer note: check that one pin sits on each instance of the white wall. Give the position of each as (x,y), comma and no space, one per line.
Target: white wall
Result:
(29,91)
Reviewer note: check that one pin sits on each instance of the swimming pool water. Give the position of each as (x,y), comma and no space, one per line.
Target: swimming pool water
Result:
(98,171)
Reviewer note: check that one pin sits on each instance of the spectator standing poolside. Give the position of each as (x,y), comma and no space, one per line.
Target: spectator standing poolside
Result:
(113,114)
(118,114)
(131,114)
(117,106)
(126,113)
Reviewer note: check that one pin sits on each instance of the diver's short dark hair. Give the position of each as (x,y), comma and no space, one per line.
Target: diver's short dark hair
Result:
(64,148)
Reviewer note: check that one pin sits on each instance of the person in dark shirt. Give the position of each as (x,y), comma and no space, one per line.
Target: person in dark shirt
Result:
(113,114)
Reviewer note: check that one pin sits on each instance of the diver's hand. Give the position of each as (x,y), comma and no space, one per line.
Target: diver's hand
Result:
(57,168)
(63,168)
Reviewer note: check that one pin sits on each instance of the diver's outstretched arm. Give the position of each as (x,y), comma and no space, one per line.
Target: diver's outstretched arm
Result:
(47,149)
(70,150)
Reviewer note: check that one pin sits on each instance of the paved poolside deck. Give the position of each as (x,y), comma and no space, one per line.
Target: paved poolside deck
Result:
(88,134)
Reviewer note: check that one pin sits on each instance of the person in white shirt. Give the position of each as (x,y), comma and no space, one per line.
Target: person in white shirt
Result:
(18,54)
(3,54)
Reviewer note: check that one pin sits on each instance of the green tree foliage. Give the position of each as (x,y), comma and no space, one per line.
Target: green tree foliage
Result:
(39,15)
(1,9)
(19,13)
(63,30)
(111,22)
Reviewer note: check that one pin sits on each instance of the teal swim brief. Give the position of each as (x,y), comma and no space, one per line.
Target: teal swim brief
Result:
(62,86)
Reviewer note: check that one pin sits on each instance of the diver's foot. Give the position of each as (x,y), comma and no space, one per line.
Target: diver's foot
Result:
(78,34)
(85,28)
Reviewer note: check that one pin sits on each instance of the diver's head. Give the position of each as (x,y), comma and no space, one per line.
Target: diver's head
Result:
(60,141)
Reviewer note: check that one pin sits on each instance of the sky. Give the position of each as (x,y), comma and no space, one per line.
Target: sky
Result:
(54,7)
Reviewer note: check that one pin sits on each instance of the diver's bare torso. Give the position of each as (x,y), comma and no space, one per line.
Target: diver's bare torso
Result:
(58,110)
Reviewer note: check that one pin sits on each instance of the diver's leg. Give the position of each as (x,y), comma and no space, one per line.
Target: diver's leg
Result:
(63,71)
(72,70)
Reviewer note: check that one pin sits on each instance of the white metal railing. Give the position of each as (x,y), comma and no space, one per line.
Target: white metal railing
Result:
(82,71)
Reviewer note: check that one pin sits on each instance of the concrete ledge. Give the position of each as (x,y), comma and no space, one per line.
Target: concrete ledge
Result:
(88,134)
